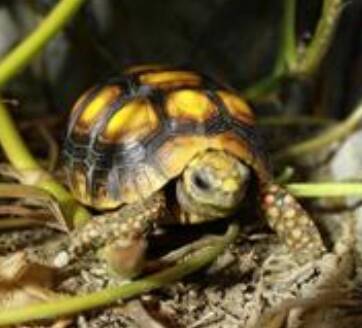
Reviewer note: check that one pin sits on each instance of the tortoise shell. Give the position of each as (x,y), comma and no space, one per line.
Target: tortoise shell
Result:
(128,137)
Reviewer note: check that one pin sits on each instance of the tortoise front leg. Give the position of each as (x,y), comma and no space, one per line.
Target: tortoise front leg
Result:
(121,235)
(292,223)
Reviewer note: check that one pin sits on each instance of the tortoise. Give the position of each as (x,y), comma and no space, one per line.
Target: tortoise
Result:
(157,128)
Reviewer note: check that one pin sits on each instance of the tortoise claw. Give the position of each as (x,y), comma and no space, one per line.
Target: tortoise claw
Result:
(125,258)
(292,223)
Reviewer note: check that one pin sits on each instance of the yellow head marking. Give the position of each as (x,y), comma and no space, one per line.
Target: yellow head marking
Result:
(230,185)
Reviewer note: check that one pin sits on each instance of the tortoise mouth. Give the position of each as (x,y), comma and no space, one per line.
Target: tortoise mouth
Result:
(188,204)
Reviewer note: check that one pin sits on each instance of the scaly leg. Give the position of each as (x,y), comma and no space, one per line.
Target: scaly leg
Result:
(292,223)
(121,236)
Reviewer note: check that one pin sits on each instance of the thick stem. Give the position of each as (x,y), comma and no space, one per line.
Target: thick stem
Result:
(262,88)
(325,189)
(333,134)
(10,139)
(285,57)
(70,305)
(26,50)
(287,62)
(287,47)
(33,174)
(318,47)
(13,145)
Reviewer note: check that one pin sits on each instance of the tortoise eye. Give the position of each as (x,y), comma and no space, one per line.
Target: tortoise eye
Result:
(201,182)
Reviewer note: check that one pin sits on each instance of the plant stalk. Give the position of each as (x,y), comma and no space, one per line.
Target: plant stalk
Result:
(333,134)
(70,305)
(19,57)
(33,174)
(315,52)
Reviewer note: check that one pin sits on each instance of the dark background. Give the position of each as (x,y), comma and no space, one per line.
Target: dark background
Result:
(232,39)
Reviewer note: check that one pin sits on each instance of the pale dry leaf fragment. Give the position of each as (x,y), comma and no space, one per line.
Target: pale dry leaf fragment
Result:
(137,312)
(23,282)
(34,196)
(294,291)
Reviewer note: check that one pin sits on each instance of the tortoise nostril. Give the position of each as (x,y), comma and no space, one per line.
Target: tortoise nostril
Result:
(201,182)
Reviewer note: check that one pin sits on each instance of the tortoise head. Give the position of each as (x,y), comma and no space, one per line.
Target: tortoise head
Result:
(212,186)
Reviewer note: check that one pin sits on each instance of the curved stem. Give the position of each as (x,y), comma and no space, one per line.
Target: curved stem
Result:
(286,56)
(284,120)
(318,47)
(70,305)
(287,48)
(26,50)
(333,134)
(287,62)
(33,174)
(13,145)
(262,87)
(10,139)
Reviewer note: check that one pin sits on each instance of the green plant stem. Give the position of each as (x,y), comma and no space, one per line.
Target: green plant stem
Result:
(262,88)
(286,55)
(287,62)
(192,263)
(70,305)
(33,174)
(287,47)
(12,143)
(333,134)
(325,189)
(319,45)
(26,50)
(283,120)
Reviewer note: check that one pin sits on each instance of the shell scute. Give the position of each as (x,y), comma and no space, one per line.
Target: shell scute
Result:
(237,107)
(190,106)
(91,106)
(131,123)
(169,79)
(129,138)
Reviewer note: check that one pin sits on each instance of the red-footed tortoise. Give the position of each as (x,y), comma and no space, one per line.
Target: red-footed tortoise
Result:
(154,128)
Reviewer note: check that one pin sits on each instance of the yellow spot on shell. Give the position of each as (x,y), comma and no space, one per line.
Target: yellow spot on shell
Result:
(190,105)
(237,107)
(170,78)
(105,97)
(78,104)
(131,122)
(146,67)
